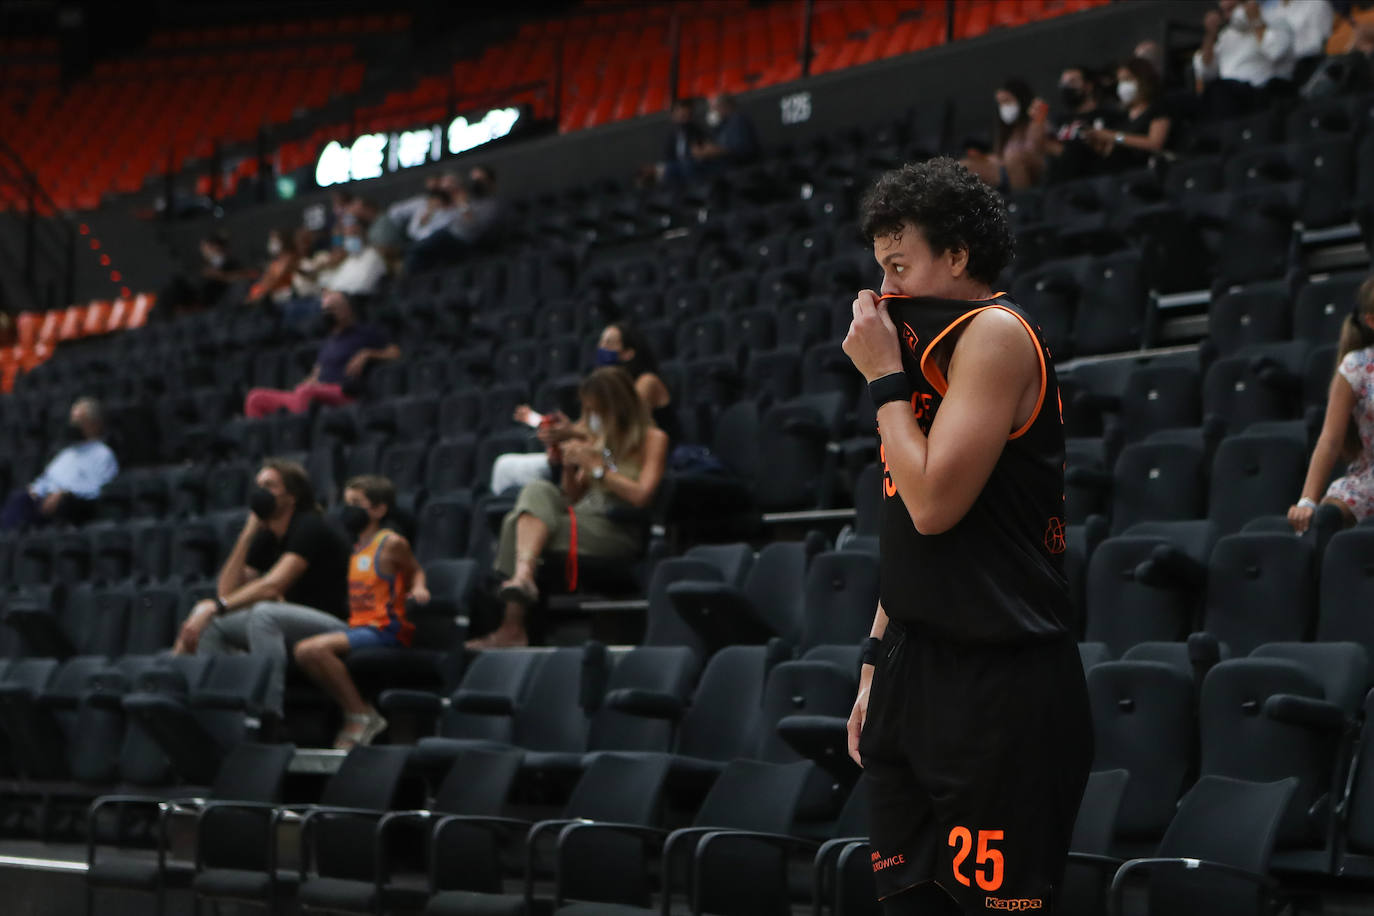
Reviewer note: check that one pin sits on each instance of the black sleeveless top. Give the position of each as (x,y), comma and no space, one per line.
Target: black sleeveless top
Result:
(998,574)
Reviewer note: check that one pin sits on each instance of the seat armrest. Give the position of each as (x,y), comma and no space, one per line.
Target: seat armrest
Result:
(483,703)
(1308,712)
(649,703)
(218,699)
(1262,882)
(396,700)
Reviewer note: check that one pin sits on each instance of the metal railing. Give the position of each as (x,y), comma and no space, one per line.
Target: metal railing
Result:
(47,240)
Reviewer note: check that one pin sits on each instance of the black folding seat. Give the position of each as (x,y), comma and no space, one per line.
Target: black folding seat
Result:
(1111,311)
(195,551)
(429,375)
(251,773)
(227,486)
(1317,119)
(443,527)
(404,465)
(801,324)
(774,376)
(1215,856)
(621,792)
(837,276)
(688,300)
(826,368)
(1248,315)
(808,245)
(755,330)
(196,713)
(154,618)
(1253,476)
(1235,135)
(38,714)
(1157,482)
(1260,588)
(1257,236)
(1051,293)
(1322,305)
(461,413)
(1123,610)
(1355,858)
(703,338)
(1347,586)
(450,464)
(337,841)
(1236,392)
(841,593)
(1144,723)
(71,557)
(1326,168)
(33,560)
(714,609)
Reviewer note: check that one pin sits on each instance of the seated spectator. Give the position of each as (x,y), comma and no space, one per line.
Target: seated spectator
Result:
(382,575)
(383,232)
(1067,145)
(1141,129)
(1017,158)
(1310,22)
(1243,57)
(679,165)
(1153,51)
(347,350)
(217,271)
(275,283)
(1347,432)
(732,141)
(617,470)
(285,579)
(621,345)
(72,479)
(469,222)
(1351,70)
(362,268)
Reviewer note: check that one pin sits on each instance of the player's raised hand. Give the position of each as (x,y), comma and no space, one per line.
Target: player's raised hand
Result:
(872,343)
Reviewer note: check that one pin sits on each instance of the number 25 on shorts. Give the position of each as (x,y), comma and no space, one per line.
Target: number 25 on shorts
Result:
(988,872)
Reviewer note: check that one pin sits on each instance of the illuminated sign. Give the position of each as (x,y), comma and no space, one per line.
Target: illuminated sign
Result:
(373,155)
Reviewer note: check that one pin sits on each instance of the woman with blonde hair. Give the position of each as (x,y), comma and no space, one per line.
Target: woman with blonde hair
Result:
(621,467)
(1347,432)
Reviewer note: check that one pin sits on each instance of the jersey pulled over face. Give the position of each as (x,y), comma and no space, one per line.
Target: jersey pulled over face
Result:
(996,575)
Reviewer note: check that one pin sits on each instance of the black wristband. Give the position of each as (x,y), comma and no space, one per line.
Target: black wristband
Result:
(870,650)
(220,606)
(892,387)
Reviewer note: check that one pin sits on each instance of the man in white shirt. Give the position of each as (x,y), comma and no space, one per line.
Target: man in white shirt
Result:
(1242,52)
(72,479)
(362,269)
(1310,21)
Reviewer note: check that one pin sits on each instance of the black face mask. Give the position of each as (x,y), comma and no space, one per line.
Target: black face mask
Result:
(262,503)
(1072,96)
(354,519)
(328,321)
(74,433)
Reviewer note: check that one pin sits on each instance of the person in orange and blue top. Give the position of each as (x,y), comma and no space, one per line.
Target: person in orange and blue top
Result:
(382,575)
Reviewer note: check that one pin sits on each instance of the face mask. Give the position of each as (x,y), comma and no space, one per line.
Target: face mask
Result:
(1009,112)
(594,423)
(262,503)
(329,320)
(74,433)
(1072,96)
(354,519)
(606,357)
(713,118)
(353,244)
(274,247)
(1126,91)
(1239,21)
(216,259)
(478,187)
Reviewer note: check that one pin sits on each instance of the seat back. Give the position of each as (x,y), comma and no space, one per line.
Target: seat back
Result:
(722,722)
(1227,821)
(1254,475)
(503,673)
(841,593)
(1155,481)
(1260,588)
(251,772)
(1143,723)
(369,778)
(670,670)
(1123,611)
(777,587)
(1347,589)
(550,717)
(478,781)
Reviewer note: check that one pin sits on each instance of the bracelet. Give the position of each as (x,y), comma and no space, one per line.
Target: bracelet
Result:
(221,606)
(894,386)
(869,652)
(1306,503)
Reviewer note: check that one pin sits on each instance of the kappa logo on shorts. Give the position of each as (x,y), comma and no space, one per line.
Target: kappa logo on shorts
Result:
(879,863)
(1013,904)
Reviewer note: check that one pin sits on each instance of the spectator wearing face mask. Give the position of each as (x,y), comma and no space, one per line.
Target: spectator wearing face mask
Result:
(72,480)
(1242,56)
(1067,147)
(218,270)
(285,579)
(1141,129)
(622,345)
(732,141)
(361,271)
(275,283)
(1017,158)
(347,350)
(474,216)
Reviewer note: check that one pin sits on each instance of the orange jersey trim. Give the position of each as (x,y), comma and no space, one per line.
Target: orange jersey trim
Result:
(937,378)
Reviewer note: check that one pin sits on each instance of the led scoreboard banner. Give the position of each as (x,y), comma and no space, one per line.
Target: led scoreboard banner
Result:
(374,155)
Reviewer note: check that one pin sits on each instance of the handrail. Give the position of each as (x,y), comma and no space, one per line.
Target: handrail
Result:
(38,242)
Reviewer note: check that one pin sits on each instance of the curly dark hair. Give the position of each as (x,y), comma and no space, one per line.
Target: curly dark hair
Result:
(950,206)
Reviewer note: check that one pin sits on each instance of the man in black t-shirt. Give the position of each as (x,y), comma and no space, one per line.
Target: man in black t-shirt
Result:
(286,579)
(972,721)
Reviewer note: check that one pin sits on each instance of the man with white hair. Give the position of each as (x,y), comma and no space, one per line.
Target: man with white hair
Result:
(72,479)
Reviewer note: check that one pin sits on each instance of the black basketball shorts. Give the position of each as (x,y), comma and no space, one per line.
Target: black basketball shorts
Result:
(975,757)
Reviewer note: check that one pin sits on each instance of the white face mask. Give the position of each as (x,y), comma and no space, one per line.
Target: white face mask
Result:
(216,259)
(594,423)
(713,118)
(1126,91)
(1009,112)
(274,247)
(1239,21)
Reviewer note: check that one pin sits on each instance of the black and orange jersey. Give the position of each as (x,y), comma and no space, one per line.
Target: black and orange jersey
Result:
(998,574)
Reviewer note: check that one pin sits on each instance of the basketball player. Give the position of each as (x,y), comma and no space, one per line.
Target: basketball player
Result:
(972,719)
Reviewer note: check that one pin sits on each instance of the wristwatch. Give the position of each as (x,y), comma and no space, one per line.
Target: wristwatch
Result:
(599,472)
(1120,139)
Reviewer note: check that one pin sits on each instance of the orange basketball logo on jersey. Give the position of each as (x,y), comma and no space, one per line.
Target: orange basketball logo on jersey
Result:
(1054,536)
(909,338)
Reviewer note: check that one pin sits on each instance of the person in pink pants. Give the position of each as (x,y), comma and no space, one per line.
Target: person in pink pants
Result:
(346,351)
